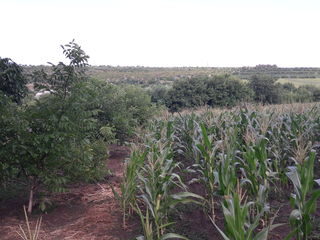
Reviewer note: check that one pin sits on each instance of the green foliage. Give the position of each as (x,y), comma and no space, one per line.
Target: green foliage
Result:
(208,149)
(255,166)
(12,80)
(129,187)
(152,186)
(187,93)
(221,90)
(48,142)
(157,179)
(226,91)
(121,109)
(264,88)
(239,224)
(158,94)
(239,156)
(138,103)
(302,178)
(62,137)
(10,124)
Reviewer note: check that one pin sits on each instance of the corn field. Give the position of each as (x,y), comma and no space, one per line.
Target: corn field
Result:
(241,159)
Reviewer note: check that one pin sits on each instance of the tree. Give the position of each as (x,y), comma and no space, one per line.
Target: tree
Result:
(265,89)
(226,91)
(220,90)
(187,93)
(12,80)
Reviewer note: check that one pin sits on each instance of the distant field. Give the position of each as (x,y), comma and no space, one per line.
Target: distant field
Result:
(166,76)
(301,81)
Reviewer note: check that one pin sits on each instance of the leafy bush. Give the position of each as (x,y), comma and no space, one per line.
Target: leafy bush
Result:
(226,91)
(220,90)
(158,94)
(187,93)
(121,109)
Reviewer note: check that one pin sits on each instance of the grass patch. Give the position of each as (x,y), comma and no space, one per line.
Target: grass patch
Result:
(297,82)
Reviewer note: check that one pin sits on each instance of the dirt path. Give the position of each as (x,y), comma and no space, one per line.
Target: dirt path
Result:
(85,212)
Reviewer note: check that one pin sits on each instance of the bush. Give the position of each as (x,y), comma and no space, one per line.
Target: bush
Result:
(264,88)
(158,94)
(227,91)
(186,93)
(222,90)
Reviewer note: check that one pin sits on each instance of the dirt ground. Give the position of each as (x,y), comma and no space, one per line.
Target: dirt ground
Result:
(85,212)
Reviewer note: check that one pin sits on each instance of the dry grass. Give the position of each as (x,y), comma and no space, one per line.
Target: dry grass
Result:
(277,108)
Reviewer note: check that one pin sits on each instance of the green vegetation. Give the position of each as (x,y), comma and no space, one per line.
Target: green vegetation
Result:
(179,88)
(216,91)
(240,157)
(239,224)
(146,76)
(302,178)
(12,81)
(62,135)
(228,91)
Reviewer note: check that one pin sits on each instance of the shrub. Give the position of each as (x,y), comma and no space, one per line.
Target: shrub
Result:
(120,108)
(222,90)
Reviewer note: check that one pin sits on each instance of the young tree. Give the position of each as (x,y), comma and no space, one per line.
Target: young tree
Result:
(51,141)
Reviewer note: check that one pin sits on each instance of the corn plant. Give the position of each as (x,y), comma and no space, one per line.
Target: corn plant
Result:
(225,174)
(186,133)
(226,165)
(146,225)
(302,178)
(148,232)
(128,187)
(238,222)
(256,166)
(208,148)
(157,179)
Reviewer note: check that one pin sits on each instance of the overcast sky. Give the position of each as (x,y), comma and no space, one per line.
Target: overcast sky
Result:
(217,33)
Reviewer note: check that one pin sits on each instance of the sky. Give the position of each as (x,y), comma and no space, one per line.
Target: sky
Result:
(164,33)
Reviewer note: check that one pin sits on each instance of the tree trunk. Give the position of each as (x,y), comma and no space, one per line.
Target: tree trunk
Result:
(30,204)
(30,201)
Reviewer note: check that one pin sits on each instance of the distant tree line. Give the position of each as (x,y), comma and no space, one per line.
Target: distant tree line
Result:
(227,91)
(276,72)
